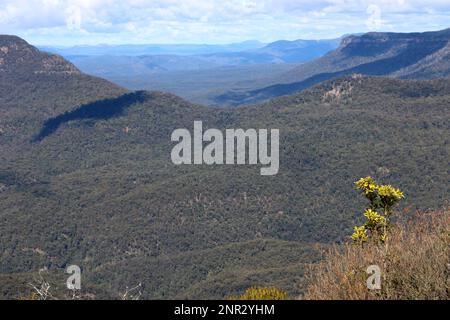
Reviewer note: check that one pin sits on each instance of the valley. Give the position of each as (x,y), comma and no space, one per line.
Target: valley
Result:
(195,72)
(86,178)
(230,79)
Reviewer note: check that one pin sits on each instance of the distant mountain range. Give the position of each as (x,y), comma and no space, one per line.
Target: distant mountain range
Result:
(298,50)
(398,55)
(138,61)
(232,77)
(151,49)
(196,72)
(86,177)
(248,52)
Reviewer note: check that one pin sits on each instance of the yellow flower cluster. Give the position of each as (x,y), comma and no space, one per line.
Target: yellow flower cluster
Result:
(360,234)
(261,294)
(390,192)
(367,185)
(386,195)
(374,218)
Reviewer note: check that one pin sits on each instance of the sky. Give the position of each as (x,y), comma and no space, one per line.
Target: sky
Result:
(90,22)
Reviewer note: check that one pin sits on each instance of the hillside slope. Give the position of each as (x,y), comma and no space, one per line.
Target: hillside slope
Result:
(399,55)
(36,85)
(93,184)
(198,76)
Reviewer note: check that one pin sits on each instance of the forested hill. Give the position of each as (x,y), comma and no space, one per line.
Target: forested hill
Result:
(398,55)
(35,85)
(98,188)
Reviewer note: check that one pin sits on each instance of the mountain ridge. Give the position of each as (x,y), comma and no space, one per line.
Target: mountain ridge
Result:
(373,54)
(100,190)
(199,75)
(16,55)
(37,85)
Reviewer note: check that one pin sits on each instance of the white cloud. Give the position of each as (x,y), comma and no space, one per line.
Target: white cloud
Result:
(213,21)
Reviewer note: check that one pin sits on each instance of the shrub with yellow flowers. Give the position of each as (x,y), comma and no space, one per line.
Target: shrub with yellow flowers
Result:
(382,199)
(359,235)
(256,293)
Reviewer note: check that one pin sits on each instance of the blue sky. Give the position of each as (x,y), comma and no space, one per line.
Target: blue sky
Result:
(74,22)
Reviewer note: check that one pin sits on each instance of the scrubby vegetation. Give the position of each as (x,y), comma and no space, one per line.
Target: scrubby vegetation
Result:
(414,263)
(257,293)
(412,256)
(102,193)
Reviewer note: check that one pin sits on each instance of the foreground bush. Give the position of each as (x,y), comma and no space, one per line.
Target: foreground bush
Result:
(415,265)
(261,294)
(382,199)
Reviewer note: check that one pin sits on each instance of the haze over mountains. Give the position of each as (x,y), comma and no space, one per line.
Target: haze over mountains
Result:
(248,52)
(196,72)
(231,77)
(152,49)
(398,55)
(86,176)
